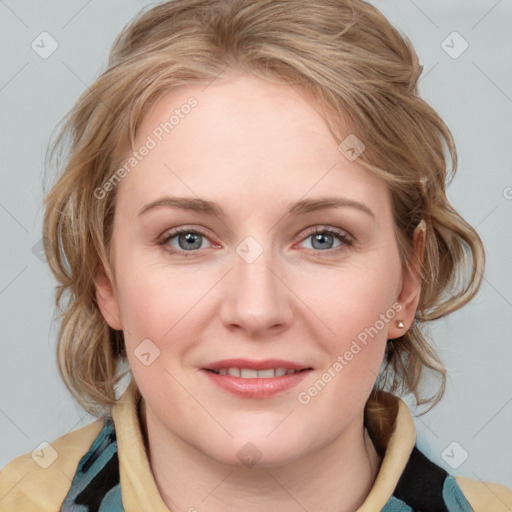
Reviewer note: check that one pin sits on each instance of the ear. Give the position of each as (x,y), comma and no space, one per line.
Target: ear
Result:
(106,298)
(411,285)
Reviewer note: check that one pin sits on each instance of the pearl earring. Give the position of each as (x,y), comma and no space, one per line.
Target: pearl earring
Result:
(400,324)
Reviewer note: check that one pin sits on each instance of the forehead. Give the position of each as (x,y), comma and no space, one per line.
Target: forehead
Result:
(246,142)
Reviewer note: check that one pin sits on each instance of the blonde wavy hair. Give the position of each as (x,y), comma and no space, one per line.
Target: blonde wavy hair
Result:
(342,54)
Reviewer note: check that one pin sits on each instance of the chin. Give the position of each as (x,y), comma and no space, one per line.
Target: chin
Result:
(254,451)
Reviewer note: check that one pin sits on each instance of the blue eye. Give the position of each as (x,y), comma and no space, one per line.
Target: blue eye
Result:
(188,240)
(322,237)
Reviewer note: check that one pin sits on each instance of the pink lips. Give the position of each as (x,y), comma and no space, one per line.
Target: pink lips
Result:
(256,387)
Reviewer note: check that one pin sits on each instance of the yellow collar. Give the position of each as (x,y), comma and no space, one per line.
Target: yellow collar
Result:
(393,437)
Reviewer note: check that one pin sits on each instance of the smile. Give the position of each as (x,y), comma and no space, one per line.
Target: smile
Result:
(249,373)
(255,379)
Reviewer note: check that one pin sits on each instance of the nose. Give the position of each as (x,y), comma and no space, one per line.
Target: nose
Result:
(257,300)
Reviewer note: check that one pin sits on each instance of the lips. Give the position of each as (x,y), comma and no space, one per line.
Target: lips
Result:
(256,379)
(249,373)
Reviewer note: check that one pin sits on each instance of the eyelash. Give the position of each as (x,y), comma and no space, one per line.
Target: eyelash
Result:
(345,240)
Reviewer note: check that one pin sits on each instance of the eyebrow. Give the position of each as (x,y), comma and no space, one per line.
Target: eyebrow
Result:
(211,208)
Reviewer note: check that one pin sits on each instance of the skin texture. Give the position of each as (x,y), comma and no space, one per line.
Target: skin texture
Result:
(254,148)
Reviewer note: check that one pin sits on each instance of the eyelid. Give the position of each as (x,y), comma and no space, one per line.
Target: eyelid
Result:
(322,228)
(173,232)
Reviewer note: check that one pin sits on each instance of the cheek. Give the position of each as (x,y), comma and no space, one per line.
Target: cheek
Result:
(157,329)
(349,301)
(164,304)
(357,307)
(356,310)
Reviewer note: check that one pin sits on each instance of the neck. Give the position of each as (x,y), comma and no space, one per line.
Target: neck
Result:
(335,479)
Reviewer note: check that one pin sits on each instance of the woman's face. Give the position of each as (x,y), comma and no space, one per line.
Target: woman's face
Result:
(242,171)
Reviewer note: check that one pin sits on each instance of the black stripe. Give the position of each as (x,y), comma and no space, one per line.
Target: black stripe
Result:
(93,494)
(421,484)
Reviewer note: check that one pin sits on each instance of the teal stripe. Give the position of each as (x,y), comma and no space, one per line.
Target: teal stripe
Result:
(396,505)
(112,502)
(453,496)
(99,454)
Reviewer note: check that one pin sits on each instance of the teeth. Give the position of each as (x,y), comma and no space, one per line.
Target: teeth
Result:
(245,373)
(265,374)
(249,373)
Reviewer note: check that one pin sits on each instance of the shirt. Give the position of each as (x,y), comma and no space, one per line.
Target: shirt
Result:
(104,467)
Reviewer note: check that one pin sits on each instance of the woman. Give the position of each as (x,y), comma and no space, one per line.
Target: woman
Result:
(252,217)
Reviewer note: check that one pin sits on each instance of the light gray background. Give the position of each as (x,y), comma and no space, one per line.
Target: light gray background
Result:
(473,93)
